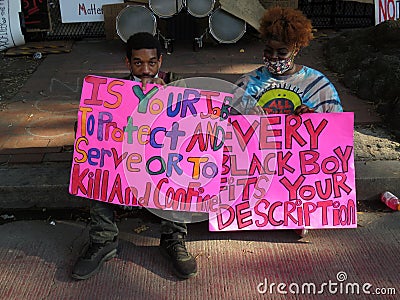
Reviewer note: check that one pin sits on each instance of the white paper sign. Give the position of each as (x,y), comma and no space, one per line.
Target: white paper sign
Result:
(75,11)
(386,10)
(10,28)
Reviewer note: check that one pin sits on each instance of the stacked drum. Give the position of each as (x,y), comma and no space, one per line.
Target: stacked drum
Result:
(224,27)
(166,8)
(200,9)
(133,19)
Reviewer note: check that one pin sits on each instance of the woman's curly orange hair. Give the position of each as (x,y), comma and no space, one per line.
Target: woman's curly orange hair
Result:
(286,25)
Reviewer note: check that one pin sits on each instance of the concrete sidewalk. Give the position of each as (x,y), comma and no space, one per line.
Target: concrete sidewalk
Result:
(36,258)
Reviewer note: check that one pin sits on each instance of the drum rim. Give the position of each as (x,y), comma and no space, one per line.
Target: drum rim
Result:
(141,6)
(165,15)
(217,38)
(201,16)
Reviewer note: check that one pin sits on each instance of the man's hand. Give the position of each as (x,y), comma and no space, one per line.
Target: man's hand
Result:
(147,80)
(303,109)
(257,110)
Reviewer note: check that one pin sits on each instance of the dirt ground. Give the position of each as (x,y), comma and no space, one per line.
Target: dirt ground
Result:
(369,62)
(15,70)
(371,142)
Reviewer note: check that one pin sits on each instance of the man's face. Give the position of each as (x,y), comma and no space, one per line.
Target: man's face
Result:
(144,63)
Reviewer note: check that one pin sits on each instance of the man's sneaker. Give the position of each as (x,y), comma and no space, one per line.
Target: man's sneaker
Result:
(173,247)
(94,257)
(301,232)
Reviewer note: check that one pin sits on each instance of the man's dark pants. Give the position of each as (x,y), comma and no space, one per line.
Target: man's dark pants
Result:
(103,227)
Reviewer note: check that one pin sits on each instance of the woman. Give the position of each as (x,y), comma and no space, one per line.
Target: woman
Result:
(281,86)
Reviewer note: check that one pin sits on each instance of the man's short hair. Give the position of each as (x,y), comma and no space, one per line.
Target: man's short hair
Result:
(142,40)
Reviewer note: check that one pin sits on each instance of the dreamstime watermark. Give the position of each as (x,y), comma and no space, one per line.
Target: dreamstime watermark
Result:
(338,287)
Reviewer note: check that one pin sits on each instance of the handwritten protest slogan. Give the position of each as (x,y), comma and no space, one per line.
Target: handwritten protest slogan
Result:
(177,148)
(301,173)
(158,148)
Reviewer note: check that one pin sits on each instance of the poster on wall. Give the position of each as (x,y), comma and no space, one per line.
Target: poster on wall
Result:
(75,11)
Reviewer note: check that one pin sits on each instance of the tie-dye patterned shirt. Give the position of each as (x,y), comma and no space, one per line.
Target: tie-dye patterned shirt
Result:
(282,94)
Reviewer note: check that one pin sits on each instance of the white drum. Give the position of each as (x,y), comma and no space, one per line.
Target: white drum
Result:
(166,8)
(226,28)
(133,19)
(200,8)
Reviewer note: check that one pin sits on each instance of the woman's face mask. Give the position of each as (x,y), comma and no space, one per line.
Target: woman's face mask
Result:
(279,66)
(279,57)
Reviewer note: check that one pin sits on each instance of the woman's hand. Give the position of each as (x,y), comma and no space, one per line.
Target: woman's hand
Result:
(303,109)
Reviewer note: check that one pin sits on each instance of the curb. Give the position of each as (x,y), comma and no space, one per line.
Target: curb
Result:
(41,186)
(375,177)
(46,185)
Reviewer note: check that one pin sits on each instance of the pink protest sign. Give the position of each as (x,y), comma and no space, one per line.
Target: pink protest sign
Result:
(298,172)
(158,148)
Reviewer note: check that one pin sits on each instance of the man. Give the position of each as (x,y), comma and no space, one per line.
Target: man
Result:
(143,59)
(281,86)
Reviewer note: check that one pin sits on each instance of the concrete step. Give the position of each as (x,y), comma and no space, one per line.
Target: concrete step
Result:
(37,186)
(46,185)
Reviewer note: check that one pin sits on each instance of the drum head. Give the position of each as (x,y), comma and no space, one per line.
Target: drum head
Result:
(133,19)
(200,8)
(166,8)
(226,28)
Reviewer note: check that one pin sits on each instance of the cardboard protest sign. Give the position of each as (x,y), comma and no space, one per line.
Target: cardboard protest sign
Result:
(175,148)
(286,171)
(158,148)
